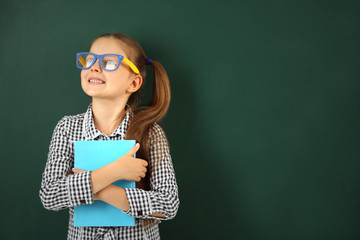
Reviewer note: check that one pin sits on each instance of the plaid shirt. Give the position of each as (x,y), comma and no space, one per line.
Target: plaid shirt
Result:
(59,192)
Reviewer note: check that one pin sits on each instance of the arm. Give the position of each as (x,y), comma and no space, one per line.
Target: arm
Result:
(116,196)
(58,191)
(161,199)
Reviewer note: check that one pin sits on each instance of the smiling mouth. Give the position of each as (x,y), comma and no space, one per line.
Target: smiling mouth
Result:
(96,81)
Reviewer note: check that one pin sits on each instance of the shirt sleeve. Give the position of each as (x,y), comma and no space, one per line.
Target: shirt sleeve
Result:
(163,196)
(57,190)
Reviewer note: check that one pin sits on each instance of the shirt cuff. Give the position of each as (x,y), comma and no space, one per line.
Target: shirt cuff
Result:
(139,202)
(80,189)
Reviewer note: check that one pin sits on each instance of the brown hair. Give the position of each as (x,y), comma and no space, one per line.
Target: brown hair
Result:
(144,116)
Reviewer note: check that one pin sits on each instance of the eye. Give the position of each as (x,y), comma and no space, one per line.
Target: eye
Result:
(89,60)
(110,65)
(110,62)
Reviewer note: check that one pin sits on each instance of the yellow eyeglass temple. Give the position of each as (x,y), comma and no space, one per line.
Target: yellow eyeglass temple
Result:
(131,65)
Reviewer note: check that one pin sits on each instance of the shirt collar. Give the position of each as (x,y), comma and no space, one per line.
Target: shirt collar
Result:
(90,132)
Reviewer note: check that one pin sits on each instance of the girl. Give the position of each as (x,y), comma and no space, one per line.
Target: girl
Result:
(113,73)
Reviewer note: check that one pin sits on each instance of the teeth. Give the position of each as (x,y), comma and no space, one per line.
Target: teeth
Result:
(95,81)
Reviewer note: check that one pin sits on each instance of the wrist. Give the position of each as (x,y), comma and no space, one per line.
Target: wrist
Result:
(116,170)
(102,177)
(112,171)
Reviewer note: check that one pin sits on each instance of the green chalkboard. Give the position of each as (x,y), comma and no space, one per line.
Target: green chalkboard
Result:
(263,123)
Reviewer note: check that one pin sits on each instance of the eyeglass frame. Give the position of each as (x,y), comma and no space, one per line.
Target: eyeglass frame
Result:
(99,57)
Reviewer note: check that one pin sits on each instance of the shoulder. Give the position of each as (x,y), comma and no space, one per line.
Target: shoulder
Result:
(158,139)
(69,122)
(156,132)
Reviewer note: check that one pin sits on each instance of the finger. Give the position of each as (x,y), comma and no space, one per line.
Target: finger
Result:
(69,175)
(142,162)
(133,150)
(75,170)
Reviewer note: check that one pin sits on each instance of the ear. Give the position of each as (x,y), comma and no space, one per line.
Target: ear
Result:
(135,84)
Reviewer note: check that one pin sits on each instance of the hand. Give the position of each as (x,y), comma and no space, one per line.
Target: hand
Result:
(130,168)
(75,171)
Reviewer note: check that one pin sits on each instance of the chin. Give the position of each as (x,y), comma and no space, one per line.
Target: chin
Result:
(90,92)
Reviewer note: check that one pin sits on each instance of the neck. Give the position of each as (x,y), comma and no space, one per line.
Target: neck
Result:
(108,114)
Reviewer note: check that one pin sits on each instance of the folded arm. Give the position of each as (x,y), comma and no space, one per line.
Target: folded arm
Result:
(57,190)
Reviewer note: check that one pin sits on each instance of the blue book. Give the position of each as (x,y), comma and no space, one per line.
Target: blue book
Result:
(91,155)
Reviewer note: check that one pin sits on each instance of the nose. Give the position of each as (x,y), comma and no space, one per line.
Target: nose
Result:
(96,66)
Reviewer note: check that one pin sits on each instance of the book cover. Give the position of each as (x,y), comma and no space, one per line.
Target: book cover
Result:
(91,155)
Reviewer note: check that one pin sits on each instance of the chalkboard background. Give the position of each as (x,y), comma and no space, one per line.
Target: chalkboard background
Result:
(263,123)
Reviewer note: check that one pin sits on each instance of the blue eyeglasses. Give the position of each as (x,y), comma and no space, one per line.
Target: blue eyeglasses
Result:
(108,62)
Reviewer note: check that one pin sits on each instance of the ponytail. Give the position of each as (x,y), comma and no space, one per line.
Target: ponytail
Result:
(146,116)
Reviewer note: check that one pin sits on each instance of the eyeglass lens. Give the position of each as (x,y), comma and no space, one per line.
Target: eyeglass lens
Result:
(108,62)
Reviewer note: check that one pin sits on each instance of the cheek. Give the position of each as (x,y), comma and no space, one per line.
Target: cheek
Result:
(82,75)
(83,78)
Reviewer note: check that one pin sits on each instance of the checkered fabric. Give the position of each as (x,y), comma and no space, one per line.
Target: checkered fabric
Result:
(59,191)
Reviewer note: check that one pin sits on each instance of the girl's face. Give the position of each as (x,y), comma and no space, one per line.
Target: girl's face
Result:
(112,85)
